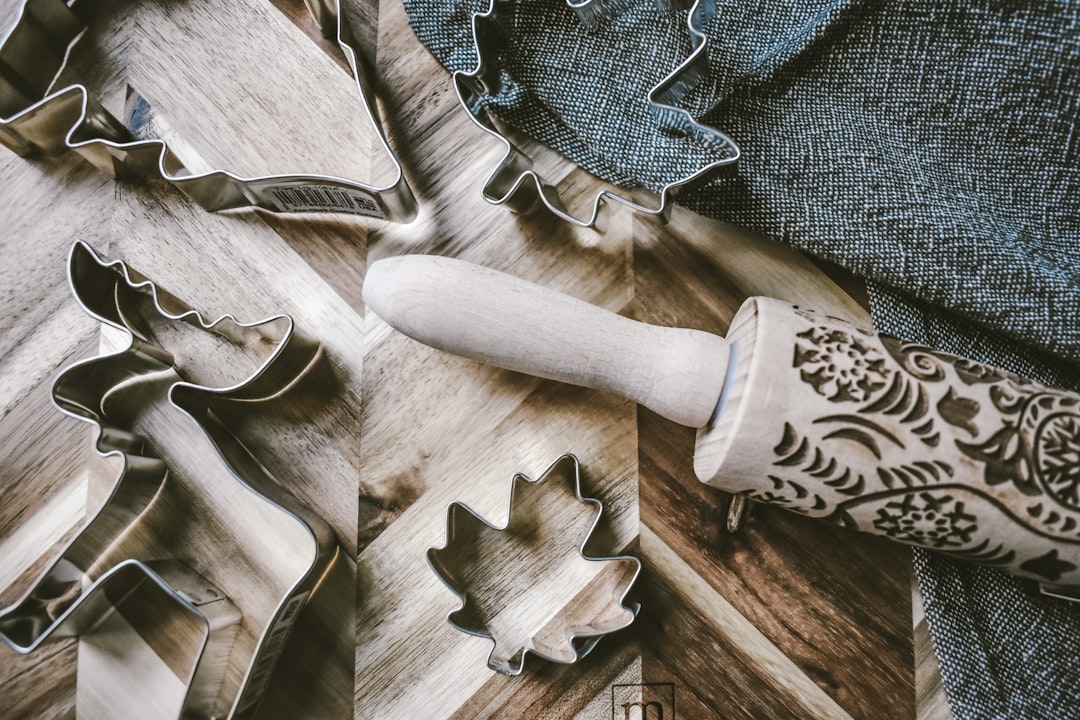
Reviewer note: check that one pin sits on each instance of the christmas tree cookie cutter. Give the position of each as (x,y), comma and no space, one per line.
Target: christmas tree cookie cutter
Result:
(514,181)
(529,587)
(35,120)
(83,588)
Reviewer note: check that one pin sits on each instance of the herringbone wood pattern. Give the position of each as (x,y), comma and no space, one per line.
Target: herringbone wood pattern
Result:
(789,619)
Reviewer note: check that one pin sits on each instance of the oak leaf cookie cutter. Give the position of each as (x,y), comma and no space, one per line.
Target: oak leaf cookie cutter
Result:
(80,591)
(515,183)
(529,587)
(35,119)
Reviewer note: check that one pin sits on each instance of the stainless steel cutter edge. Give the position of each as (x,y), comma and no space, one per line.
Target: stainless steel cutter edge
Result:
(71,119)
(666,95)
(582,644)
(217,617)
(142,476)
(591,13)
(515,183)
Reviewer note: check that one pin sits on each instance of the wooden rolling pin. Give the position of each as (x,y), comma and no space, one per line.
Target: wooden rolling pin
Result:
(795,409)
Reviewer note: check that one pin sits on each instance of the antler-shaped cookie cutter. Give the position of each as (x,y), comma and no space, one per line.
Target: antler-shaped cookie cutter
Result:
(80,590)
(487,610)
(514,182)
(34,120)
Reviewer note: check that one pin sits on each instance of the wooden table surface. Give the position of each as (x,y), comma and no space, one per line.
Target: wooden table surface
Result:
(790,618)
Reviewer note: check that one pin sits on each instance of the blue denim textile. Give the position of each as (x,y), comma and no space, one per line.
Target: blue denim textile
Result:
(930,147)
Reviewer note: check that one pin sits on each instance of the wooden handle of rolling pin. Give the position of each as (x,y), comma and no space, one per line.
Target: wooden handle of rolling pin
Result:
(504,321)
(816,416)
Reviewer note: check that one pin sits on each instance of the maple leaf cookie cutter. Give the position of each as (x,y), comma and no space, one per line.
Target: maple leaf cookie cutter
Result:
(514,181)
(514,593)
(80,590)
(36,120)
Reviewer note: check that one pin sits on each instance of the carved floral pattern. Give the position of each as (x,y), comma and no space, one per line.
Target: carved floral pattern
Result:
(1057,449)
(909,419)
(840,365)
(1036,447)
(928,519)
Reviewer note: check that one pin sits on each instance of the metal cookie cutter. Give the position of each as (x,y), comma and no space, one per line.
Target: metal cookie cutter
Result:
(666,96)
(591,13)
(528,586)
(34,119)
(86,586)
(515,182)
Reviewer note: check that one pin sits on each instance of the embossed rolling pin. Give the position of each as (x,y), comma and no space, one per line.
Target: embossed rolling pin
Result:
(795,409)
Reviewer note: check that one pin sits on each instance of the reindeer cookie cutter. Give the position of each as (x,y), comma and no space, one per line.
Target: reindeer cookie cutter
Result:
(514,181)
(83,588)
(35,119)
(499,574)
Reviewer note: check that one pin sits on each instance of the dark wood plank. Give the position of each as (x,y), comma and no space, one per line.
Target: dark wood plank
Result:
(834,601)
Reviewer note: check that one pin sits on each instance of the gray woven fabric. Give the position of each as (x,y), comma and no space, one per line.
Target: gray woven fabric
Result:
(930,147)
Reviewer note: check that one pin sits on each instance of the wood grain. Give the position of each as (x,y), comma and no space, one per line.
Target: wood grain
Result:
(157,230)
(791,577)
(44,471)
(389,432)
